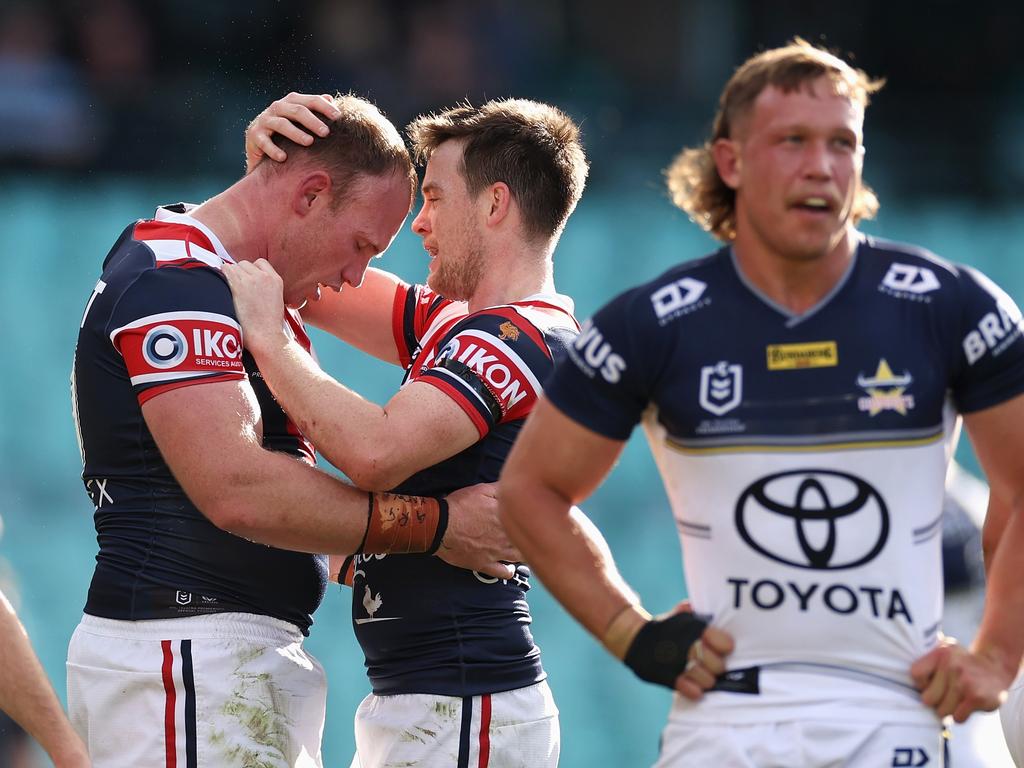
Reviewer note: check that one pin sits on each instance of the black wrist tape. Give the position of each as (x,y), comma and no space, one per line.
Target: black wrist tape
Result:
(658,653)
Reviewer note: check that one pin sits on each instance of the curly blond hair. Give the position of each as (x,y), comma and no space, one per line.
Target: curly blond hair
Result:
(693,181)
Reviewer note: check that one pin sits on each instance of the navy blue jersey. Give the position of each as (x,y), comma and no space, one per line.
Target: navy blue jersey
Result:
(161,317)
(426,626)
(804,457)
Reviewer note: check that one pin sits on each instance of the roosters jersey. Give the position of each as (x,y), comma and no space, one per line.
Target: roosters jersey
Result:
(804,458)
(161,317)
(426,626)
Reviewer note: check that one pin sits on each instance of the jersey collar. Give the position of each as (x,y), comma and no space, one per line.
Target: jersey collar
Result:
(179,214)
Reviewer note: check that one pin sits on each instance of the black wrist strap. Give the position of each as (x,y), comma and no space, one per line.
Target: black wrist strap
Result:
(442,525)
(658,653)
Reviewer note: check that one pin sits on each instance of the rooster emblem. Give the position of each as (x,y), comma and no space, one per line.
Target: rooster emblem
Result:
(370,603)
(508,331)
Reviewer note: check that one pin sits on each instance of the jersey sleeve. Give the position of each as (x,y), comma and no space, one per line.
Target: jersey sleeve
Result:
(414,309)
(990,360)
(492,365)
(177,327)
(601,382)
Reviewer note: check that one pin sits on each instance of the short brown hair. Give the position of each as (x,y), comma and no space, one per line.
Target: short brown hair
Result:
(361,142)
(532,147)
(693,180)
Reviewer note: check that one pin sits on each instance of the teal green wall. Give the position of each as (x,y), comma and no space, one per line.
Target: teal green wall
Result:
(55,236)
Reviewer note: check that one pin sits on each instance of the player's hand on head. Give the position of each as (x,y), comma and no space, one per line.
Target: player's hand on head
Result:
(958,681)
(475,538)
(295,117)
(258,293)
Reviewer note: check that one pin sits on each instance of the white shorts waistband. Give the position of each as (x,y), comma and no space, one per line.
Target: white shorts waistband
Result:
(214,625)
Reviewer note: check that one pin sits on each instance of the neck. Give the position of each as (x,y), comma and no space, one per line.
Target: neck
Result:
(234,216)
(797,284)
(512,272)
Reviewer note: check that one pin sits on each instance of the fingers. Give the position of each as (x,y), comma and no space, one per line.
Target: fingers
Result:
(294,117)
(921,670)
(706,662)
(498,570)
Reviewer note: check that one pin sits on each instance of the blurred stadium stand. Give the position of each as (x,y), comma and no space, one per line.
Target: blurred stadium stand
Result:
(109,107)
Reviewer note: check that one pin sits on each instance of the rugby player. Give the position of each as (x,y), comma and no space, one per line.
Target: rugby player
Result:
(453,655)
(206,498)
(799,389)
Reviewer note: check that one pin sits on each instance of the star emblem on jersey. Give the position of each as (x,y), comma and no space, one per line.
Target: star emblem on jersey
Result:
(507,331)
(885,391)
(721,387)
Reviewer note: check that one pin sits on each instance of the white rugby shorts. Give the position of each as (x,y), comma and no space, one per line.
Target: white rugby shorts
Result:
(224,690)
(1012,716)
(511,729)
(805,743)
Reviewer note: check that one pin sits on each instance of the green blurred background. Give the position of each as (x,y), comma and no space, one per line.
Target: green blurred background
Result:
(109,108)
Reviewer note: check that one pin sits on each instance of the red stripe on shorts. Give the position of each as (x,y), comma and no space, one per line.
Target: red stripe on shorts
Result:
(172,752)
(485,730)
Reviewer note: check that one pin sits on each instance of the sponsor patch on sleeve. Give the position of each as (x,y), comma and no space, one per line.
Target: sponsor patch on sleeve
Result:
(174,348)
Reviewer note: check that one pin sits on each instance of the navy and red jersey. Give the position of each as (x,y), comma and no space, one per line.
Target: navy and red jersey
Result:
(804,457)
(426,626)
(161,317)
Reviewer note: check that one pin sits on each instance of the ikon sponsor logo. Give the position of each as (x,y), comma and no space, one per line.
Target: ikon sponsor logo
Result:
(180,341)
(994,332)
(678,298)
(594,355)
(489,365)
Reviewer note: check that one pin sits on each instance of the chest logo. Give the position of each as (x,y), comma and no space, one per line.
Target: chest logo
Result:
(721,387)
(678,298)
(507,331)
(817,519)
(906,278)
(813,354)
(885,391)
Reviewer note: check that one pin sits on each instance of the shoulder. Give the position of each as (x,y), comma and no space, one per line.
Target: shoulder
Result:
(910,272)
(677,293)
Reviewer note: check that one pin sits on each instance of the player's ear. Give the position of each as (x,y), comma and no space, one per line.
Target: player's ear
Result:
(726,154)
(312,189)
(497,202)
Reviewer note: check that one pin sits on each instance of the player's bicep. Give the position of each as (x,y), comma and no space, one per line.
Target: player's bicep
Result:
(206,434)
(997,434)
(555,453)
(429,426)
(363,316)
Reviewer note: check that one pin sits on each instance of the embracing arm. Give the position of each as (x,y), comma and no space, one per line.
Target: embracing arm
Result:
(377,447)
(210,437)
(27,696)
(554,464)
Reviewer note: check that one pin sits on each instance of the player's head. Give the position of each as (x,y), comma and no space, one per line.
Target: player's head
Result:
(511,167)
(787,139)
(347,196)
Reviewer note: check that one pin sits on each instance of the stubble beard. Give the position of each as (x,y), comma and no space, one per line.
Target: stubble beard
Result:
(458,279)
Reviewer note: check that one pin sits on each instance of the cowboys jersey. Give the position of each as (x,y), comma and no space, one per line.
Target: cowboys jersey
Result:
(804,458)
(161,317)
(426,626)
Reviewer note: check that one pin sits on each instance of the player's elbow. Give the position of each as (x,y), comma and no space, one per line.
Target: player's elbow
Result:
(377,469)
(229,514)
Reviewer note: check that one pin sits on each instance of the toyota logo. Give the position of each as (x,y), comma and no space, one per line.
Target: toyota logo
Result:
(813,518)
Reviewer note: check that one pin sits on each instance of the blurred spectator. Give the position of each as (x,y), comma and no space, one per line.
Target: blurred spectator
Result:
(44,117)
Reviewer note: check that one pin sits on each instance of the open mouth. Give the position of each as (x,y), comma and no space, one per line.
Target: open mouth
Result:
(814,204)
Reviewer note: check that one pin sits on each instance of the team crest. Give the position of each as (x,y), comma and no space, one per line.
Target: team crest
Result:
(508,331)
(721,387)
(885,391)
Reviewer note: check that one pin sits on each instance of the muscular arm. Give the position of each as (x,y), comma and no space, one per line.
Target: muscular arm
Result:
(377,447)
(26,695)
(210,437)
(997,435)
(959,681)
(360,316)
(554,464)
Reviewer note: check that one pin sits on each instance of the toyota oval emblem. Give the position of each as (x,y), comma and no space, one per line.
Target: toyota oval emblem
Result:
(818,519)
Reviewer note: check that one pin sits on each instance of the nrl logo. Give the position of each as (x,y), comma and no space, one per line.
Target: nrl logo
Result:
(508,331)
